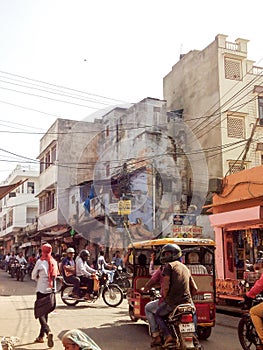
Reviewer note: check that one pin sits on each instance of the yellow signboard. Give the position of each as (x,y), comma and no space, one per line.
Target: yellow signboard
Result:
(124,207)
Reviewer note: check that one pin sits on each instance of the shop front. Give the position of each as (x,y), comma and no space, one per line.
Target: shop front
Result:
(237,220)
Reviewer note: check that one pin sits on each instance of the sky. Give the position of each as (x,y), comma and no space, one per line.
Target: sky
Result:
(71,59)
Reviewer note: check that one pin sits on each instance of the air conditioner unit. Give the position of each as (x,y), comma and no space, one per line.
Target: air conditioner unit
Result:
(215,185)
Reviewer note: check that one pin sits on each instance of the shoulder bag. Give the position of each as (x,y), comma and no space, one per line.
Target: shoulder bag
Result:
(45,305)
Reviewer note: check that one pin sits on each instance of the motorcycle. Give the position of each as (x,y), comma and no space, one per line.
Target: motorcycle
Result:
(181,324)
(12,268)
(111,293)
(30,268)
(21,270)
(121,278)
(247,334)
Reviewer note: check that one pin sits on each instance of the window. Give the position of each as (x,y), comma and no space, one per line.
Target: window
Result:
(260,109)
(235,127)
(233,69)
(107,130)
(42,165)
(30,187)
(236,166)
(10,218)
(53,154)
(47,160)
(47,202)
(107,169)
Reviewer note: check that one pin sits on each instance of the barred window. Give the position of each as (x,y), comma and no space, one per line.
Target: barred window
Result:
(236,166)
(235,127)
(233,69)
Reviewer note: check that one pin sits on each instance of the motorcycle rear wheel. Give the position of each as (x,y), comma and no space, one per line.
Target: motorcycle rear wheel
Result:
(112,295)
(204,332)
(247,334)
(65,296)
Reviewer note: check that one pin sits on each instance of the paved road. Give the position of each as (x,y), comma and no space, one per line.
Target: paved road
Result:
(111,328)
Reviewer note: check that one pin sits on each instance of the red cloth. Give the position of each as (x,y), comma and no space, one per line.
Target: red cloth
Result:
(53,266)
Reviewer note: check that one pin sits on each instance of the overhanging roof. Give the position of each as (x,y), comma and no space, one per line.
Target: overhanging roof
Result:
(4,190)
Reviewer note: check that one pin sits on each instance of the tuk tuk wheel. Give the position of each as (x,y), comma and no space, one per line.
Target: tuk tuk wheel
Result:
(131,313)
(204,332)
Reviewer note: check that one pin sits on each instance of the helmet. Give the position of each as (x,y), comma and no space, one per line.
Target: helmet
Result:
(174,250)
(84,254)
(70,250)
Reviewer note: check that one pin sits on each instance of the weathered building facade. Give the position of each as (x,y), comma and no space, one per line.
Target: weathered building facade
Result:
(219,92)
(19,209)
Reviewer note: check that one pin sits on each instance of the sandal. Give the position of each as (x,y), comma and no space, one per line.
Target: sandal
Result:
(50,342)
(39,340)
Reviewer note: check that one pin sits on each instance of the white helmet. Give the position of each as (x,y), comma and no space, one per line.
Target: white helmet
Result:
(70,250)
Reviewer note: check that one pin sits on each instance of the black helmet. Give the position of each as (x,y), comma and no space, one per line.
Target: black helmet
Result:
(174,250)
(84,254)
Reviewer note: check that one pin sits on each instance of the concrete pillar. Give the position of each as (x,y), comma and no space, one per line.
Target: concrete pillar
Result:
(242,44)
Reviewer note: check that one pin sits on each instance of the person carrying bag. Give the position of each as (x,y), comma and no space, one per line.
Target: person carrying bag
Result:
(45,273)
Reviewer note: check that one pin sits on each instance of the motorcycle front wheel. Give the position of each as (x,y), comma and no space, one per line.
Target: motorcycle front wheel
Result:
(65,294)
(22,275)
(112,295)
(247,334)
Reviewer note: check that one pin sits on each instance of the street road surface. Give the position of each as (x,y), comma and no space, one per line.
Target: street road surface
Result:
(111,328)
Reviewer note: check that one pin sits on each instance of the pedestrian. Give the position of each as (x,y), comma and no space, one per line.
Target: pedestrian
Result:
(75,339)
(45,272)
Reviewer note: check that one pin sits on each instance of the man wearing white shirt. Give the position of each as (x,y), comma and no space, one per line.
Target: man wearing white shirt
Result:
(84,271)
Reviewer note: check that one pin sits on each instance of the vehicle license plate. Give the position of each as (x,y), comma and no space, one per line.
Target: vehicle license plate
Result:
(187,327)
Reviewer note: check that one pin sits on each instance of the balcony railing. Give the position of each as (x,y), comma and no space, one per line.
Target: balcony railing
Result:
(257,70)
(232,46)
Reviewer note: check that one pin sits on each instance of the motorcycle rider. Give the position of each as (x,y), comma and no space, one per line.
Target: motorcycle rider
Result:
(21,259)
(69,272)
(256,311)
(84,271)
(103,266)
(117,260)
(152,306)
(178,286)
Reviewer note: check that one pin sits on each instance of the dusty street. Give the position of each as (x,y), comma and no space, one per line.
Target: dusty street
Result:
(111,328)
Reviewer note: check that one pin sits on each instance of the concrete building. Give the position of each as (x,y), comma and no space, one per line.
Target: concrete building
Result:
(19,209)
(61,169)
(220,92)
(137,161)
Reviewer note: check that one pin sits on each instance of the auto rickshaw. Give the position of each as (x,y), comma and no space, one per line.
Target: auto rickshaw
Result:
(204,300)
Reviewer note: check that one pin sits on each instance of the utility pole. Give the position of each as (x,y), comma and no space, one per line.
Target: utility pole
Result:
(248,144)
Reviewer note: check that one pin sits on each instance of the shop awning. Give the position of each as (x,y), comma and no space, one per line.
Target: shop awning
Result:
(4,190)
(241,217)
(26,244)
